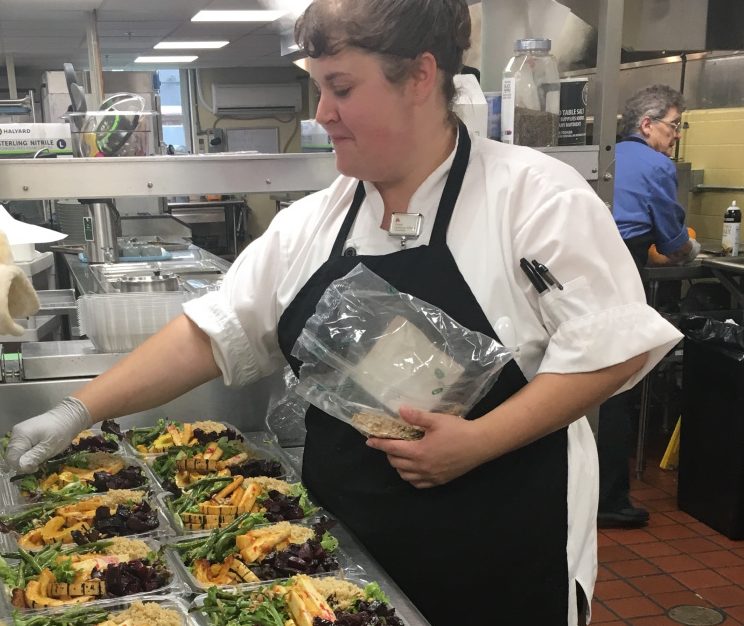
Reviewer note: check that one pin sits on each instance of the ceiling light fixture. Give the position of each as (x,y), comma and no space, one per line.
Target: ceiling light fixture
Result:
(165,59)
(190,45)
(237,16)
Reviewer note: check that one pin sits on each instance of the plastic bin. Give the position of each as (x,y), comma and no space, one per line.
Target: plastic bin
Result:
(711,464)
(112,133)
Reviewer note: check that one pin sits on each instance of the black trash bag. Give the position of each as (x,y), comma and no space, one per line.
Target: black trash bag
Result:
(705,297)
(715,332)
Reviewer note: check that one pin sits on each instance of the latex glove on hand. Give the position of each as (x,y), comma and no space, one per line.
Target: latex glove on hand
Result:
(17,296)
(37,439)
(692,254)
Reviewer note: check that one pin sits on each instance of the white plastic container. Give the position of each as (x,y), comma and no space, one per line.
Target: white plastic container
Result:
(530,95)
(121,322)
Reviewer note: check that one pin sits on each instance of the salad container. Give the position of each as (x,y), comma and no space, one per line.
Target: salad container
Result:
(203,515)
(216,607)
(177,469)
(10,541)
(81,615)
(159,438)
(173,586)
(318,562)
(12,486)
(105,442)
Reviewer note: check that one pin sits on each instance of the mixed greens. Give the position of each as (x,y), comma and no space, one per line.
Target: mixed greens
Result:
(166,434)
(302,601)
(56,577)
(114,514)
(216,501)
(78,474)
(246,551)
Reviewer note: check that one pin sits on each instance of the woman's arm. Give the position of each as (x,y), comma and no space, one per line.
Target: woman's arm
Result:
(167,365)
(453,446)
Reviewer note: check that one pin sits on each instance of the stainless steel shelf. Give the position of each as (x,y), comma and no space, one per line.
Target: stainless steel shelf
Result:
(157,176)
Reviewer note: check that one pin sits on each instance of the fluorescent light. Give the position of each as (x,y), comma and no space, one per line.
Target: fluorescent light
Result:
(165,59)
(237,16)
(190,45)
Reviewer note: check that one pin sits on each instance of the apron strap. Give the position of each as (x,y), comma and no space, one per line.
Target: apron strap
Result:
(452,187)
(343,234)
(446,202)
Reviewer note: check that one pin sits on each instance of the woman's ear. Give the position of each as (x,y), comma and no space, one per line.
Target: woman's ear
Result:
(644,128)
(424,77)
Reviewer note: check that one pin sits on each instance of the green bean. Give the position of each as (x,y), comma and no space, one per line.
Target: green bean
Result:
(30,560)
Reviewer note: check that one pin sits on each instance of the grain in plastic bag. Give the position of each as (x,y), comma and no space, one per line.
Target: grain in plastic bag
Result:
(369,350)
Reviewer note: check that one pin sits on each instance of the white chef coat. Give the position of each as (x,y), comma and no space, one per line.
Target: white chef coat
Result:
(515,202)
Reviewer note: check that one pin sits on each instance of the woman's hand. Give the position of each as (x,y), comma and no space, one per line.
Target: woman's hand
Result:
(449,449)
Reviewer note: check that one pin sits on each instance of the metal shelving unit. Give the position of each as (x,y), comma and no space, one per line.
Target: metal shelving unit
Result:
(158,176)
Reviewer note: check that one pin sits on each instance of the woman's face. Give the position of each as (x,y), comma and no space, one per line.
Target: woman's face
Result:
(368,118)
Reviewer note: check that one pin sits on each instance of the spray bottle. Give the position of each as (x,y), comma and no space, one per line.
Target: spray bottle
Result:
(731,227)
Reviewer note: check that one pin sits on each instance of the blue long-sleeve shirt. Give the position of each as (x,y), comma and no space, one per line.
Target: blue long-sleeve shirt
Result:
(645,199)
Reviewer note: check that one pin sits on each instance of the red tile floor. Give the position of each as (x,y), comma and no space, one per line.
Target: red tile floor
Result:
(675,560)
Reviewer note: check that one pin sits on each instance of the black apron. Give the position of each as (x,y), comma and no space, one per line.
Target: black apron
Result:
(486,548)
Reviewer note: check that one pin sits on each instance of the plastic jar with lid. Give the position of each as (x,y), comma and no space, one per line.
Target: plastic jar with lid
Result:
(530,96)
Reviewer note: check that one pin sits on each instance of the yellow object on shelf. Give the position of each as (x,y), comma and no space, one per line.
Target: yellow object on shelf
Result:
(670,460)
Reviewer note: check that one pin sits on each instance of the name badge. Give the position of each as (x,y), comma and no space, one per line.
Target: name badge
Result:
(406,226)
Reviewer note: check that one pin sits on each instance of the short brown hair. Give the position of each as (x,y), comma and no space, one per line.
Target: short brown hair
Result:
(398,31)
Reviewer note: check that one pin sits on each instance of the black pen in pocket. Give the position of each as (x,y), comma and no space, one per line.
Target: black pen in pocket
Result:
(545,274)
(537,282)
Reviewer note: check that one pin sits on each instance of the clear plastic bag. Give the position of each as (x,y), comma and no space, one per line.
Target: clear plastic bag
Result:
(369,350)
(285,416)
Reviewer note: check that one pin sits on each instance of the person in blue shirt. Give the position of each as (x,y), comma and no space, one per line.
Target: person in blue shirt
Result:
(645,205)
(646,212)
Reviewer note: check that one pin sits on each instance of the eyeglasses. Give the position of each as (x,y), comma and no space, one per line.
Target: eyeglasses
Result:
(675,126)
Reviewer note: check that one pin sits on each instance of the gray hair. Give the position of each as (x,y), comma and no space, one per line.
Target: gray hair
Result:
(654,102)
(396,31)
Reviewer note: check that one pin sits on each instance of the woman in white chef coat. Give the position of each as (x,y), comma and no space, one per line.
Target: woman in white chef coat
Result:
(488,518)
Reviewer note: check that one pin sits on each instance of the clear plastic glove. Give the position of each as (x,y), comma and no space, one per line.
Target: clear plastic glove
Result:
(35,440)
(694,251)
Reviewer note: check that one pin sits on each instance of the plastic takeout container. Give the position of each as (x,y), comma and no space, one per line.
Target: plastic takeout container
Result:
(355,575)
(344,562)
(175,586)
(119,322)
(153,455)
(112,133)
(116,605)
(261,444)
(9,541)
(10,491)
(175,521)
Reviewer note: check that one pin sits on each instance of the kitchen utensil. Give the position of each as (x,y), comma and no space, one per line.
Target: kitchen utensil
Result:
(77,95)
